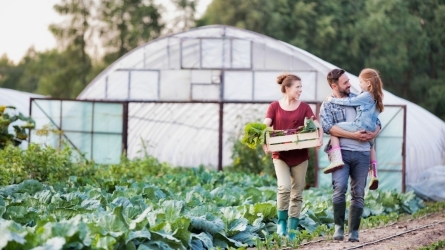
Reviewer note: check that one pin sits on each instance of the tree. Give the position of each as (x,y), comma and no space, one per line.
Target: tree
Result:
(402,39)
(73,34)
(9,73)
(127,24)
(51,73)
(255,15)
(185,18)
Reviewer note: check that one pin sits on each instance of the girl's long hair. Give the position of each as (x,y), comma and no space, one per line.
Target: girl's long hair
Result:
(376,86)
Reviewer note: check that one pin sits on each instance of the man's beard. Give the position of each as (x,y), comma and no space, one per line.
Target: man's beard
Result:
(345,92)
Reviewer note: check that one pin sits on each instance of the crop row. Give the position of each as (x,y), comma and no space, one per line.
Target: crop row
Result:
(191,209)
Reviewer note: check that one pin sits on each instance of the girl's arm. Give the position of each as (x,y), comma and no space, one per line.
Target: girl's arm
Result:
(363,98)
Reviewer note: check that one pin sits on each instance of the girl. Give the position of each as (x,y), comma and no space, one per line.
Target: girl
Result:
(369,104)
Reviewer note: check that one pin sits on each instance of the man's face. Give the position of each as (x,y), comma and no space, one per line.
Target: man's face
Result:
(343,88)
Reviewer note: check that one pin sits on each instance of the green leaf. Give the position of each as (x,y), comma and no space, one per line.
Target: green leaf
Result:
(64,213)
(307,223)
(142,234)
(11,232)
(2,211)
(113,225)
(55,243)
(44,196)
(172,209)
(254,134)
(15,212)
(254,193)
(153,193)
(207,223)
(8,190)
(155,245)
(246,237)
(223,241)
(204,238)
(236,226)
(89,204)
(141,221)
(121,201)
(309,126)
(169,239)
(196,245)
(267,210)
(180,227)
(106,242)
(30,186)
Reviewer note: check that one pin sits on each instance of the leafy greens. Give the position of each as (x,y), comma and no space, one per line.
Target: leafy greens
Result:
(254,134)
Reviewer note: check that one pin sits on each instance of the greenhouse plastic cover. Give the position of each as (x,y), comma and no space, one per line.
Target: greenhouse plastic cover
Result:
(431,184)
(18,99)
(222,63)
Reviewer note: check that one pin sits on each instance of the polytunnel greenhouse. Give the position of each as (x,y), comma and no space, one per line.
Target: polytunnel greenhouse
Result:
(184,99)
(18,99)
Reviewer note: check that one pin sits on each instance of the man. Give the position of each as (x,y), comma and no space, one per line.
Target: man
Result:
(355,151)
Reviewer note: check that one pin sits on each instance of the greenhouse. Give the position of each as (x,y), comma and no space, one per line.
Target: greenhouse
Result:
(184,99)
(18,99)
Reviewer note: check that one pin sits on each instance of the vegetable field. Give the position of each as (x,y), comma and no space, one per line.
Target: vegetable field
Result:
(171,209)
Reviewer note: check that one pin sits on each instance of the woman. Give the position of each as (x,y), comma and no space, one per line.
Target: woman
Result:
(290,166)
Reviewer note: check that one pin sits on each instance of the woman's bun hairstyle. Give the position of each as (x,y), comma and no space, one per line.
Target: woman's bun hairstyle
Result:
(286,80)
(281,78)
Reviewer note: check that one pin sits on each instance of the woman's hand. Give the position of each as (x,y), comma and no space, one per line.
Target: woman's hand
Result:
(320,143)
(266,149)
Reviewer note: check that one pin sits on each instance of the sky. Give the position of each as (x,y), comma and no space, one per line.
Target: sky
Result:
(24,23)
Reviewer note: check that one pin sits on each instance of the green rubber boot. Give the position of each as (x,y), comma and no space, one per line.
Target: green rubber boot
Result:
(293,225)
(282,222)
(339,220)
(355,215)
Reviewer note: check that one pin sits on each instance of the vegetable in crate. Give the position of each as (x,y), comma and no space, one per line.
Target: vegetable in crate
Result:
(309,126)
(254,134)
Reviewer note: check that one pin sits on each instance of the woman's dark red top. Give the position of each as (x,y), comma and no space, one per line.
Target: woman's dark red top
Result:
(283,120)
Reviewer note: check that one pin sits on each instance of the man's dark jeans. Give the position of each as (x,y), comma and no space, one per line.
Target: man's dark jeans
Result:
(356,166)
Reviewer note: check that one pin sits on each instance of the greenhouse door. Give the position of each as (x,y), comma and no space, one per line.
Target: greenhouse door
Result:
(96,130)
(390,148)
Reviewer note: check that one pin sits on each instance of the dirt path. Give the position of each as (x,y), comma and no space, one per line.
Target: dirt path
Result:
(430,229)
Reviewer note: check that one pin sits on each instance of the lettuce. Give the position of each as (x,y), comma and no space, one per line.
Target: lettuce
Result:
(254,134)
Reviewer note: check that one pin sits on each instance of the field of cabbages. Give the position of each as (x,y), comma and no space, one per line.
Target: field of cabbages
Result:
(144,204)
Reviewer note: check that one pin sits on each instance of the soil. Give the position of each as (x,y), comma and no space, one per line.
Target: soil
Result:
(407,233)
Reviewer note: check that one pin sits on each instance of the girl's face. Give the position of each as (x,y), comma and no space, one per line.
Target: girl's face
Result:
(364,85)
(295,90)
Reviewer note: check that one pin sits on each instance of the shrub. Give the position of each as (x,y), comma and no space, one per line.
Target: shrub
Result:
(44,164)
(250,160)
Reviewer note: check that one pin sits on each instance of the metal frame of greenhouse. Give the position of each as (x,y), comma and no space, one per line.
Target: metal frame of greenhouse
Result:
(59,115)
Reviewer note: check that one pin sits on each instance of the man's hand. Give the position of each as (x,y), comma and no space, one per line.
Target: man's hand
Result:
(363,135)
(266,149)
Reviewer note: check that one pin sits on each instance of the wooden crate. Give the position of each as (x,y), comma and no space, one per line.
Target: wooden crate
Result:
(289,142)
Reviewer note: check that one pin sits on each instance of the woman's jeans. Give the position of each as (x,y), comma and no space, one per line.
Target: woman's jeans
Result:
(291,182)
(356,166)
